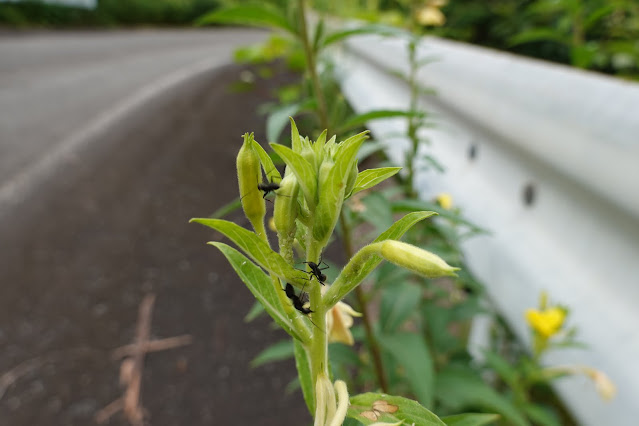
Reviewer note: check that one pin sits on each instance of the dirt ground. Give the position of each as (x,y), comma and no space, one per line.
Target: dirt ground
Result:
(77,259)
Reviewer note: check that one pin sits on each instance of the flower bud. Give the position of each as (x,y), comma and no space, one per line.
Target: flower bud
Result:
(416,259)
(249,176)
(285,214)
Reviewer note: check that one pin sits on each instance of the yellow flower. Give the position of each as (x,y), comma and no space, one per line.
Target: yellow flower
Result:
(339,320)
(546,322)
(445,200)
(429,13)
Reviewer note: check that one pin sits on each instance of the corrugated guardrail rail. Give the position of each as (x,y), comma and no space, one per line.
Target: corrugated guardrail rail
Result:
(567,138)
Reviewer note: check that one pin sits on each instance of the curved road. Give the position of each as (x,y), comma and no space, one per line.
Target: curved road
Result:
(109,143)
(58,90)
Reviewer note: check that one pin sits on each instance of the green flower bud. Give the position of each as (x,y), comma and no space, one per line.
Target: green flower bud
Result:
(415,259)
(249,176)
(285,214)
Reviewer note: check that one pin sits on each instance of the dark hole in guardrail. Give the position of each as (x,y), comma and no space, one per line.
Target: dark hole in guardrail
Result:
(529,194)
(472,152)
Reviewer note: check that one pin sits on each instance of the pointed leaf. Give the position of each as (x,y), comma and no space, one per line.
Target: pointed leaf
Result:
(302,169)
(260,285)
(398,303)
(304,375)
(470,419)
(257,14)
(278,119)
(457,388)
(409,411)
(382,30)
(276,352)
(371,177)
(332,194)
(257,249)
(341,288)
(410,351)
(267,162)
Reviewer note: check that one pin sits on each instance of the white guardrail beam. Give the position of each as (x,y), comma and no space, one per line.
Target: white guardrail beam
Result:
(571,138)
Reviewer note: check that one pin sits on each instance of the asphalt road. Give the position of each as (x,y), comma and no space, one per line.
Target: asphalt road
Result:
(96,219)
(58,90)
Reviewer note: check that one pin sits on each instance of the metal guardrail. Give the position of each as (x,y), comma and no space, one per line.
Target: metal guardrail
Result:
(553,174)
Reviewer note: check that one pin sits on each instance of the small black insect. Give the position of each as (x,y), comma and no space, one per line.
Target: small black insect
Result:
(299,302)
(268,187)
(316,271)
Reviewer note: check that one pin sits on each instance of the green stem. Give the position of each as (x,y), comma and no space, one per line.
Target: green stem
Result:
(319,338)
(300,326)
(312,68)
(347,244)
(412,121)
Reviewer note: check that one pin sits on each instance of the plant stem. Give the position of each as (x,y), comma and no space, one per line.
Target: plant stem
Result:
(412,121)
(312,69)
(319,339)
(363,308)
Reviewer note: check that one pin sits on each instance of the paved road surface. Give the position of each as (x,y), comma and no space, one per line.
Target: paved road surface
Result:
(84,237)
(58,90)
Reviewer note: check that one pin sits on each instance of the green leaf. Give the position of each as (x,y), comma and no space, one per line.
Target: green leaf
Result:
(260,285)
(504,370)
(378,212)
(398,303)
(541,415)
(256,310)
(332,194)
(278,119)
(267,162)
(382,30)
(408,410)
(371,177)
(410,351)
(538,34)
(257,249)
(459,388)
(257,14)
(421,205)
(303,171)
(226,209)
(276,352)
(304,375)
(470,419)
(361,119)
(340,289)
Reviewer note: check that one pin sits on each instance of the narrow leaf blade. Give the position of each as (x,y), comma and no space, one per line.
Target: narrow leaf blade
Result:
(304,374)
(260,285)
(470,419)
(276,352)
(257,249)
(259,15)
(371,177)
(410,351)
(302,169)
(408,410)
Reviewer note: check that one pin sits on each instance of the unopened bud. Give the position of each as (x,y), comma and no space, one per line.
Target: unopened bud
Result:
(285,214)
(416,259)
(249,176)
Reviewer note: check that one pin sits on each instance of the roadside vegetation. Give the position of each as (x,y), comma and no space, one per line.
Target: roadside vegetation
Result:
(374,342)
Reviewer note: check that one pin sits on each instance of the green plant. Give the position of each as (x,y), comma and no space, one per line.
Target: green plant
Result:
(319,176)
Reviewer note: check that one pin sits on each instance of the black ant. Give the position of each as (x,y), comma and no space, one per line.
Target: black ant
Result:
(316,271)
(267,188)
(299,301)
